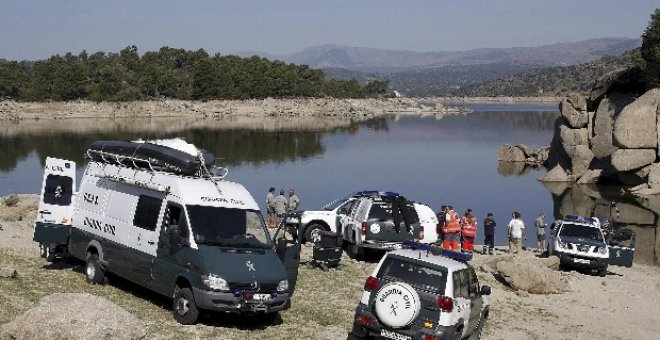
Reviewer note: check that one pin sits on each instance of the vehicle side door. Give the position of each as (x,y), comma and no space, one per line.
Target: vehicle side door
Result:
(144,235)
(287,240)
(56,202)
(476,300)
(350,222)
(169,257)
(621,244)
(462,300)
(342,212)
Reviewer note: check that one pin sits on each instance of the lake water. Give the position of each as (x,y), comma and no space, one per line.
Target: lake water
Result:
(433,159)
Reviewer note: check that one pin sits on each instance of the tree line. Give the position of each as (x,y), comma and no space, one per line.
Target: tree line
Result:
(170,73)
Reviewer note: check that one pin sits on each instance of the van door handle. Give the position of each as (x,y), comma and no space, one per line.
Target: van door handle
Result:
(151,242)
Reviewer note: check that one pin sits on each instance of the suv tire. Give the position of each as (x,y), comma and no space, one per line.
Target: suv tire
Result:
(602,272)
(312,230)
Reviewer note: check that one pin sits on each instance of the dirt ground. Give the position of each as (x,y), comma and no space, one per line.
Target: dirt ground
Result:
(624,304)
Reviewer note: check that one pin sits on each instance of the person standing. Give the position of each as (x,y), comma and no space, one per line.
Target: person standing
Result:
(468,231)
(280,206)
(270,208)
(516,233)
(489,233)
(442,217)
(540,225)
(451,230)
(294,201)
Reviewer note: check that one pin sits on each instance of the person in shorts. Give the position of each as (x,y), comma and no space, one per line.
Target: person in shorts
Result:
(271,218)
(540,225)
(516,233)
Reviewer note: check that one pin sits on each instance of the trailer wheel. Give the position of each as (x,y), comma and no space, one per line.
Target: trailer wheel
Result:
(93,271)
(184,307)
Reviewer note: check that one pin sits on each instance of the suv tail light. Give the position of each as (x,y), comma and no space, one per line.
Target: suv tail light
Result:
(371,284)
(421,232)
(364,228)
(445,303)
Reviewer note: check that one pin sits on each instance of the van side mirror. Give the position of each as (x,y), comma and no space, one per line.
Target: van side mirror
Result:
(485,290)
(175,236)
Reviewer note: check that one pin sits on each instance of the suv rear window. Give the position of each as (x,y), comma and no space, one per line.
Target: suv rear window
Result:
(581,231)
(416,274)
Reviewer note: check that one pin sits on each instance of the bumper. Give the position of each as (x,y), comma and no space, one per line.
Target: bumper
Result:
(578,261)
(377,245)
(361,329)
(228,302)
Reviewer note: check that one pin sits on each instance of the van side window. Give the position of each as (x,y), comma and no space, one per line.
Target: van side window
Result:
(58,190)
(146,213)
(473,282)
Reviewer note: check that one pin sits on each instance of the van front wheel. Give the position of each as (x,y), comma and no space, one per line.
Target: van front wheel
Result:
(185,310)
(93,272)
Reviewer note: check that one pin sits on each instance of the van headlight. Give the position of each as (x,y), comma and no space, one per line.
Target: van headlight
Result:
(283,286)
(603,250)
(215,282)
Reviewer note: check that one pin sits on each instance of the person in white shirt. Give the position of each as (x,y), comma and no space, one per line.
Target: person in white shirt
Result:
(516,233)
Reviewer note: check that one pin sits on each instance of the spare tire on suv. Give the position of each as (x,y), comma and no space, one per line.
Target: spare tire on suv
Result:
(396,304)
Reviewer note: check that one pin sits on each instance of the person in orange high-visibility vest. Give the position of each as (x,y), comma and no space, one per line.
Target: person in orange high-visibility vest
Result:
(451,230)
(468,231)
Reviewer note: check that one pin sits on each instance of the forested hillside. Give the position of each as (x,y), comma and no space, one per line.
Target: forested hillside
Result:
(170,73)
(552,81)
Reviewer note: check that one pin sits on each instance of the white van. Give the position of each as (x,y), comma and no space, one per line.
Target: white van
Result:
(142,213)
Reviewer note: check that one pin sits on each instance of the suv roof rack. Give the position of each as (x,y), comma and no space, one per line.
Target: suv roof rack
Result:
(435,250)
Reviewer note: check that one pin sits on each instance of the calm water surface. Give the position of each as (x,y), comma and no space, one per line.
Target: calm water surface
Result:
(448,160)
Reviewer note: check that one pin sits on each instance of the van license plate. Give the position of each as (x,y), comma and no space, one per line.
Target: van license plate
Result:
(581,261)
(261,297)
(393,335)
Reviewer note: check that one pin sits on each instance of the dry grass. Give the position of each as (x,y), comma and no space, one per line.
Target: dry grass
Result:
(322,307)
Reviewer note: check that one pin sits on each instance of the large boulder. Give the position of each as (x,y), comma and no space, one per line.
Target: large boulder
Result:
(653,178)
(603,122)
(631,159)
(636,126)
(581,160)
(572,138)
(574,109)
(533,275)
(590,176)
(556,174)
(74,316)
(508,153)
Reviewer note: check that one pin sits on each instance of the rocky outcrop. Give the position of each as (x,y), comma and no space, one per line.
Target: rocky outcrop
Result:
(74,316)
(609,137)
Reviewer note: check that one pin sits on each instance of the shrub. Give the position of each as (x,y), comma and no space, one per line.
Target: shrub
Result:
(11,200)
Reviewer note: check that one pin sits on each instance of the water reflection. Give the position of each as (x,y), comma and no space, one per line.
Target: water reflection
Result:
(640,214)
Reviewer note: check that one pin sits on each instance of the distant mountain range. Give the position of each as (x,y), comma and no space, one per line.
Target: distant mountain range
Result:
(446,72)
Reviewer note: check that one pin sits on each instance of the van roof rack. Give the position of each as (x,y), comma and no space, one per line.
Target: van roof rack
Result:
(435,250)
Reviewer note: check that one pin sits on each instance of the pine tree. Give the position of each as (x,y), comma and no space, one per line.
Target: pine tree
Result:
(650,51)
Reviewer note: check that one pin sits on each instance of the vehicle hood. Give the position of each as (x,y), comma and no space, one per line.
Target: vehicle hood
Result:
(578,240)
(243,265)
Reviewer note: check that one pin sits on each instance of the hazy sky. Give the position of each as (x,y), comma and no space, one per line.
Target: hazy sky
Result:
(36,29)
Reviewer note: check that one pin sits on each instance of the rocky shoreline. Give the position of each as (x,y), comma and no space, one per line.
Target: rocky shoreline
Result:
(269,107)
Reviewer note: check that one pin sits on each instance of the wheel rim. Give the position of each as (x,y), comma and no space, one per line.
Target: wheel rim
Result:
(182,306)
(91,271)
(314,234)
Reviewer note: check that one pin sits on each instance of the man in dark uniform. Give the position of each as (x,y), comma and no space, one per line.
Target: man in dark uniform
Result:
(489,232)
(442,217)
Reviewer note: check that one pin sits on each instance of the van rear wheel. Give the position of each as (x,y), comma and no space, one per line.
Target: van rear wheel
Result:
(93,271)
(184,308)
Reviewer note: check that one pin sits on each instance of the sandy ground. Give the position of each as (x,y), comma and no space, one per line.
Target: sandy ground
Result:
(624,304)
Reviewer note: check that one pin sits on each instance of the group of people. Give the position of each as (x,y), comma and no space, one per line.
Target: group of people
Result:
(456,233)
(277,206)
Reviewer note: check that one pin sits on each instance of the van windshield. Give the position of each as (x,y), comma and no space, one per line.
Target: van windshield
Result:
(228,227)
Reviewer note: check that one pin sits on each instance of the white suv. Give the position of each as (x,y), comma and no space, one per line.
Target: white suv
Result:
(414,294)
(579,242)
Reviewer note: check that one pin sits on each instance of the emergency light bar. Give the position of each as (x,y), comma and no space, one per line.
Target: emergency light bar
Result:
(367,193)
(435,250)
(580,219)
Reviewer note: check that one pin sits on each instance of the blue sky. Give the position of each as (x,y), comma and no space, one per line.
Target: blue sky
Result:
(36,29)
